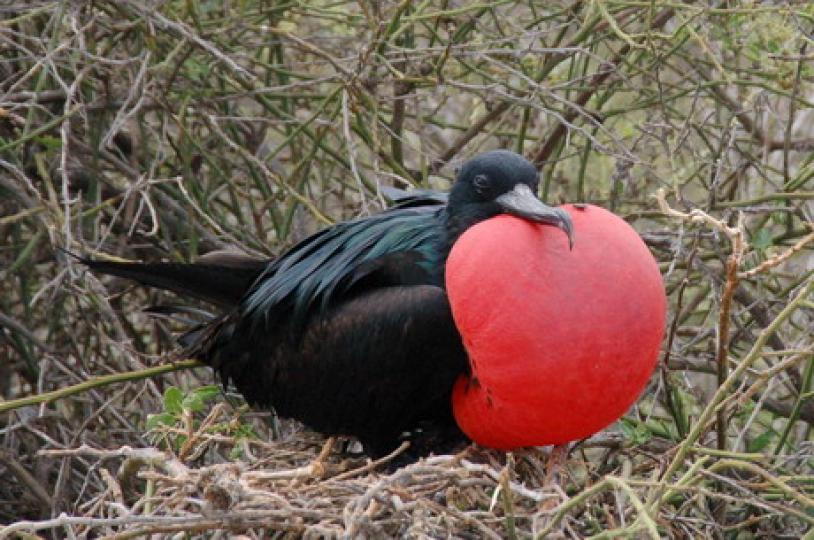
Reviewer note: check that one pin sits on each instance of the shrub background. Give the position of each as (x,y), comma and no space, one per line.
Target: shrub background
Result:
(160,130)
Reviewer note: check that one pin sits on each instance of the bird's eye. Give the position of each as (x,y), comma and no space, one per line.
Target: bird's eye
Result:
(481,183)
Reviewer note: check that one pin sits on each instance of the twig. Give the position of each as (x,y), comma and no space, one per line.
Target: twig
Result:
(656,497)
(736,237)
(777,259)
(97,382)
(375,464)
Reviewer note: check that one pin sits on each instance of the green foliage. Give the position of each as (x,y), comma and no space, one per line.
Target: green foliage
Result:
(49,142)
(635,432)
(759,443)
(197,399)
(182,413)
(762,239)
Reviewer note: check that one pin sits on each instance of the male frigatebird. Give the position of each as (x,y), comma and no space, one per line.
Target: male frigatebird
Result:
(350,330)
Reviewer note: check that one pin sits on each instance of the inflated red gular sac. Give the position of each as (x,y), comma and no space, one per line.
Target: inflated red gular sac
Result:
(561,341)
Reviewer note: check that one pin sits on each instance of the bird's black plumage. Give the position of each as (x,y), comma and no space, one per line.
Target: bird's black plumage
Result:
(350,330)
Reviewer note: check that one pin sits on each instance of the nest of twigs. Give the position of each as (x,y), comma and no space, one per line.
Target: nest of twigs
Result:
(311,487)
(304,485)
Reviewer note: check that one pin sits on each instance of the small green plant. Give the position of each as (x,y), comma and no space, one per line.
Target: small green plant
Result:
(182,415)
(635,431)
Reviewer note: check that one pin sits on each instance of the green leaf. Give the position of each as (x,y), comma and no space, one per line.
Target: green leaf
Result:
(759,443)
(179,442)
(207,393)
(762,239)
(193,402)
(196,69)
(161,419)
(173,399)
(196,400)
(636,432)
(49,142)
(236,452)
(245,431)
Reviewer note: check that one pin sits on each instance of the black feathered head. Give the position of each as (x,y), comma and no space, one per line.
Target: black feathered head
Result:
(499,182)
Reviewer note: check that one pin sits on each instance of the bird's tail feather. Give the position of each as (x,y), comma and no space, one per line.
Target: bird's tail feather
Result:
(187,315)
(222,284)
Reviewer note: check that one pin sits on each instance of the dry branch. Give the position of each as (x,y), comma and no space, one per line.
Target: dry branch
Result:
(163,130)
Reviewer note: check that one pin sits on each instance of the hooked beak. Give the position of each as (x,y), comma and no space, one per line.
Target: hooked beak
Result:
(521,202)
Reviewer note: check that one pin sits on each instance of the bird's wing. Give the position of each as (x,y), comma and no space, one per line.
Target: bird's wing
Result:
(402,242)
(416,197)
(373,365)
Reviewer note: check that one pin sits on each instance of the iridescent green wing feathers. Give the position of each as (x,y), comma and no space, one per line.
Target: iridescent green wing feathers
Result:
(403,241)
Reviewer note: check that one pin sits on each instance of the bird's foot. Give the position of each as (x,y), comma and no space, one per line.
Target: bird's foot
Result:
(318,466)
(384,462)
(429,439)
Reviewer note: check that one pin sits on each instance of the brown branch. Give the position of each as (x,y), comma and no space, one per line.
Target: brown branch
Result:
(497,110)
(606,70)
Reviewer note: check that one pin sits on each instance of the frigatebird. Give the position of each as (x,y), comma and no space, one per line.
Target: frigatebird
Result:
(350,330)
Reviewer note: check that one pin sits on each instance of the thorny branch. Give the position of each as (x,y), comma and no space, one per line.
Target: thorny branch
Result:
(272,120)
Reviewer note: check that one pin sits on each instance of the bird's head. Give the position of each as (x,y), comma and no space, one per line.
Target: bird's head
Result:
(500,182)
